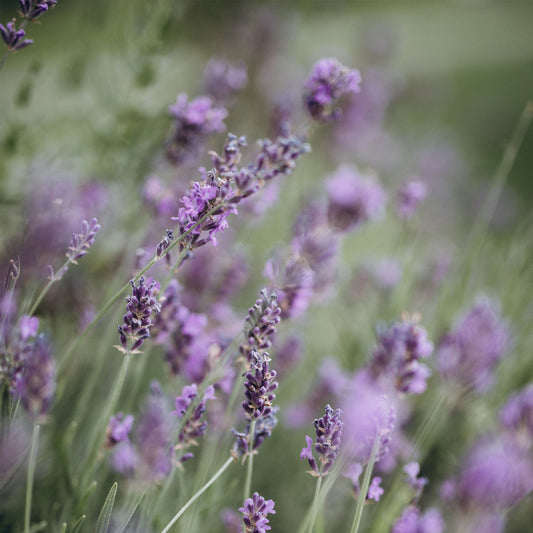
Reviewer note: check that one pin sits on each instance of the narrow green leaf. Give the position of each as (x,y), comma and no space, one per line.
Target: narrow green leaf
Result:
(63,528)
(38,527)
(105,514)
(131,513)
(77,525)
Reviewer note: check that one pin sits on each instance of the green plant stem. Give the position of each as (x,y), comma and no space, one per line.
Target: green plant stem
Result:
(47,288)
(314,508)
(31,474)
(178,515)
(364,487)
(250,466)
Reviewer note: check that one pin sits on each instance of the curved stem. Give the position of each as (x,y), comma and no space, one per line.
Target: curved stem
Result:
(364,488)
(250,466)
(47,288)
(314,508)
(178,515)
(31,473)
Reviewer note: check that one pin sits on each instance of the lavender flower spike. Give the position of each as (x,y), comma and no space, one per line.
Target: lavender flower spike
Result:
(81,242)
(329,80)
(328,440)
(31,9)
(260,386)
(13,38)
(255,511)
(138,318)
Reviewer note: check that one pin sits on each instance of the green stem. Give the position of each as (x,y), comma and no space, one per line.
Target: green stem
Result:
(197,495)
(47,288)
(364,488)
(250,466)
(31,473)
(314,508)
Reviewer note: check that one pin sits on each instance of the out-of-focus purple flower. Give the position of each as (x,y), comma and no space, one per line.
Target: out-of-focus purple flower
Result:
(124,459)
(374,490)
(223,79)
(385,273)
(410,195)
(353,472)
(31,9)
(194,122)
(118,429)
(231,520)
(260,325)
(255,512)
(353,198)
(81,242)
(395,359)
(328,431)
(516,416)
(328,81)
(471,351)
(13,38)
(28,327)
(194,427)
(413,521)
(259,386)
(495,475)
(417,483)
(35,386)
(142,304)
(369,414)
(153,436)
(158,197)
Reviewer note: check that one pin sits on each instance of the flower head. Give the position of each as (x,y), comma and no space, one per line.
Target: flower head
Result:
(328,81)
(31,9)
(81,242)
(259,386)
(255,512)
(413,521)
(410,195)
(223,79)
(118,428)
(13,38)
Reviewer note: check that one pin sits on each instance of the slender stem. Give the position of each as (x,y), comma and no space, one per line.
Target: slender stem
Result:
(250,466)
(197,495)
(31,473)
(364,488)
(314,508)
(47,288)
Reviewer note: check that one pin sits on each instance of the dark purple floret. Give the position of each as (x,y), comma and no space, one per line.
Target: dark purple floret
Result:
(260,326)
(395,359)
(223,79)
(194,122)
(263,430)
(516,416)
(81,242)
(35,386)
(13,38)
(353,199)
(328,81)
(32,9)
(470,352)
(255,512)
(142,304)
(118,429)
(410,195)
(259,386)
(328,431)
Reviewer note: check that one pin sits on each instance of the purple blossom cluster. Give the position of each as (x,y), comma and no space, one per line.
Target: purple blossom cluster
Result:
(413,520)
(260,325)
(410,195)
(259,386)
(353,473)
(327,82)
(193,427)
(255,512)
(223,79)
(328,431)
(396,358)
(516,417)
(137,321)
(118,429)
(194,122)
(81,242)
(470,352)
(32,9)
(13,38)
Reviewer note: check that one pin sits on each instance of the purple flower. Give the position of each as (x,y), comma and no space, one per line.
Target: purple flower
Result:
(413,521)
(410,195)
(471,351)
(495,475)
(81,242)
(260,325)
(28,327)
(255,512)
(353,199)
(118,428)
(328,431)
(35,385)
(222,79)
(263,430)
(259,386)
(395,359)
(13,38)
(194,122)
(31,9)
(124,459)
(516,416)
(328,81)
(374,490)
(141,305)
(417,483)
